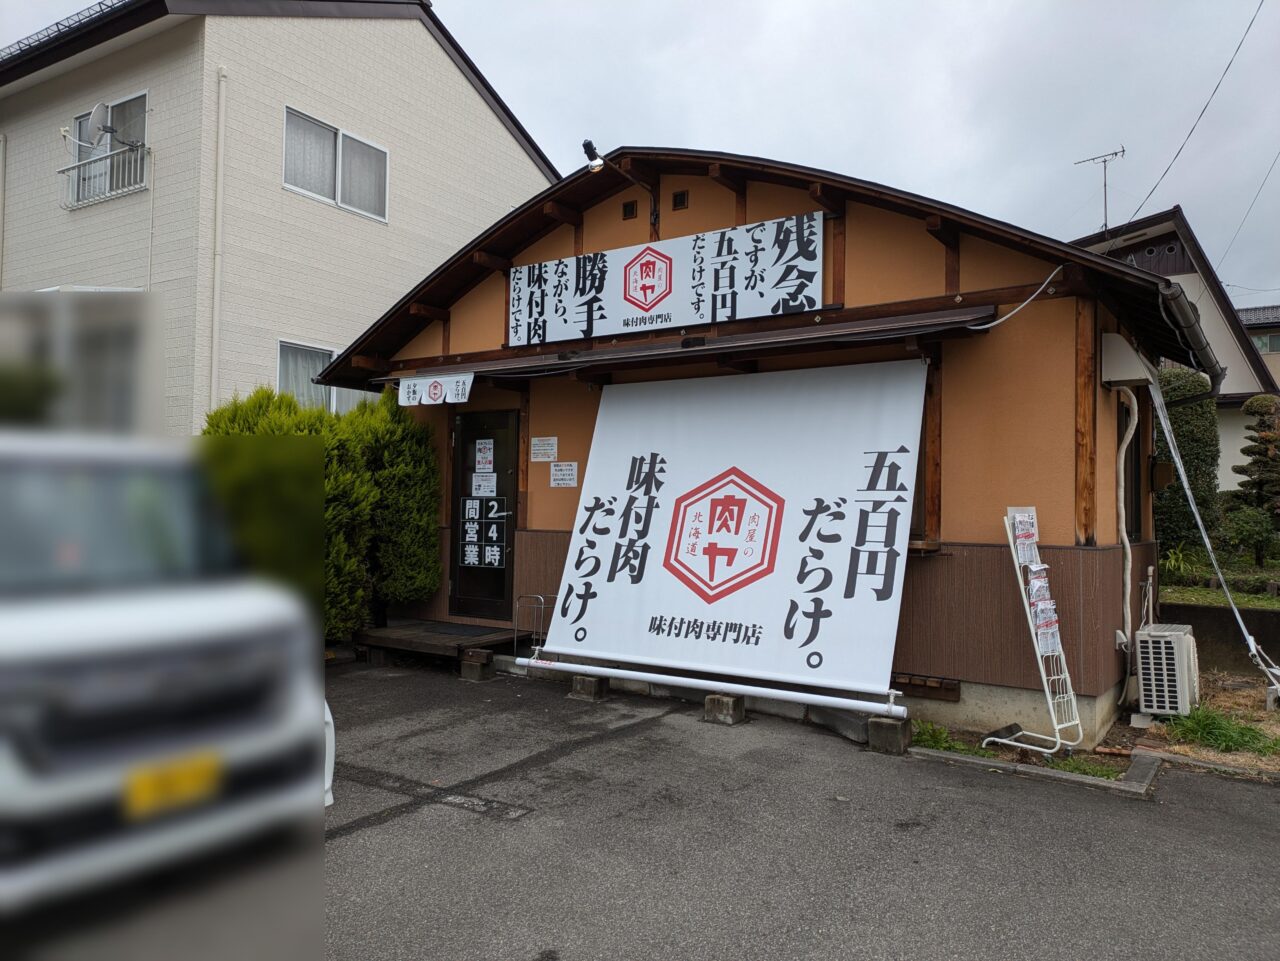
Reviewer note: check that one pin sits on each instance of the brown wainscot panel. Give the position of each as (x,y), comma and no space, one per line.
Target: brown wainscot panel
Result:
(962,617)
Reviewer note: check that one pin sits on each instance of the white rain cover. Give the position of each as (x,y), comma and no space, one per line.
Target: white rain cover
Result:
(748,525)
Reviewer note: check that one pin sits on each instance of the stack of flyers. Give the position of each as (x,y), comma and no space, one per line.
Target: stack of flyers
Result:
(1045,615)
(1038,583)
(1024,538)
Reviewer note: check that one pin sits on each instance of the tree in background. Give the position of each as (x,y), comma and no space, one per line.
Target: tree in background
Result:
(1195,427)
(1261,473)
(404,552)
(1255,508)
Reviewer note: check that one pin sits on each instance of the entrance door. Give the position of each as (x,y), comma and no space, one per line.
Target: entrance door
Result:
(484,513)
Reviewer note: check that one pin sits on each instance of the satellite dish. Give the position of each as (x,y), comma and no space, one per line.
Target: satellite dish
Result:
(97,123)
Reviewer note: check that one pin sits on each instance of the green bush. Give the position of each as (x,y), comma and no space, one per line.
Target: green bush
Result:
(279,514)
(404,556)
(380,501)
(1249,530)
(1195,427)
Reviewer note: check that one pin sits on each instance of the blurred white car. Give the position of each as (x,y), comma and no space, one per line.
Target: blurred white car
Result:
(155,701)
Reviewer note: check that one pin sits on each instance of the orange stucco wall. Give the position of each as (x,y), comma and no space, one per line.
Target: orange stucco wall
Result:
(564,409)
(889,257)
(1008,395)
(1008,426)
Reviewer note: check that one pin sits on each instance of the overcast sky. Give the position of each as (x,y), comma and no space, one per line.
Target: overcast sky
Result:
(981,104)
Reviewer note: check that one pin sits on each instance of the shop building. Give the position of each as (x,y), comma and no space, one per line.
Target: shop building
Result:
(1014,412)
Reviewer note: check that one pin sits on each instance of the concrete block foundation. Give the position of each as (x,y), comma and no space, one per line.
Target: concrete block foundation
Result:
(587,688)
(724,709)
(889,735)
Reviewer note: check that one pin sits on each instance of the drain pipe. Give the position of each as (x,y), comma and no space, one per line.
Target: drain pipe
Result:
(1122,522)
(1180,314)
(215,319)
(4,156)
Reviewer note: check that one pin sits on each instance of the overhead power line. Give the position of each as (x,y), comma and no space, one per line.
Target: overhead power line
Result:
(1198,116)
(1265,178)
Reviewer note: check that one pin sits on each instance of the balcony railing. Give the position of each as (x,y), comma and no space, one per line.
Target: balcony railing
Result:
(100,178)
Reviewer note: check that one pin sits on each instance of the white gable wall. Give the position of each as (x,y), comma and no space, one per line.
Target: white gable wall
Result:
(110,244)
(296,268)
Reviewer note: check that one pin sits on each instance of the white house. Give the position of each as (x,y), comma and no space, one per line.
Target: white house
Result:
(1164,243)
(275,180)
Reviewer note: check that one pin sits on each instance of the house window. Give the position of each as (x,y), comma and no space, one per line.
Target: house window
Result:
(298,364)
(1267,343)
(334,165)
(114,166)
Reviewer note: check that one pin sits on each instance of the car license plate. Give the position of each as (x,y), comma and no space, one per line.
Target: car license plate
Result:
(157,788)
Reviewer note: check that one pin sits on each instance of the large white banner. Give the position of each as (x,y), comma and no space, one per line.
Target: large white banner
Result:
(756,270)
(750,525)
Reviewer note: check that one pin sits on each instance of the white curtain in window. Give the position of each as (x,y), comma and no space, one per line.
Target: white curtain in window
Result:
(297,366)
(310,155)
(345,398)
(364,177)
(130,120)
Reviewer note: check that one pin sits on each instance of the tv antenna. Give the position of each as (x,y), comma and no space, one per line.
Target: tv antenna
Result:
(1104,159)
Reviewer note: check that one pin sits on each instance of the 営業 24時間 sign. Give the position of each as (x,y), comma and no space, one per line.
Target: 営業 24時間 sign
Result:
(753,525)
(755,270)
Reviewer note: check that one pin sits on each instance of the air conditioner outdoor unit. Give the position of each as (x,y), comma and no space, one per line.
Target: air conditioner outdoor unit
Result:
(1168,670)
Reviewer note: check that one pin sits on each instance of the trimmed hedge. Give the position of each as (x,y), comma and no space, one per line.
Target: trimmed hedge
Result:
(1195,427)
(380,502)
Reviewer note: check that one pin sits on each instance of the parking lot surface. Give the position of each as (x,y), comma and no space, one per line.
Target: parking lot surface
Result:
(503,820)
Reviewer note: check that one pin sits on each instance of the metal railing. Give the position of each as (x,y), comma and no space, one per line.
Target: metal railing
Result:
(100,178)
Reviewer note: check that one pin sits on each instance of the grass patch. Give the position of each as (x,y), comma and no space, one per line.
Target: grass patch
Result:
(935,737)
(1083,765)
(1221,732)
(1213,597)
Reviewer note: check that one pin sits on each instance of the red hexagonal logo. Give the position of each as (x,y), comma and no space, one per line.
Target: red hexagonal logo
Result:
(724,535)
(646,280)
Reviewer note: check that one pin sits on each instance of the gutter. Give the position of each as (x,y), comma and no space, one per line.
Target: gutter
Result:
(215,311)
(1180,314)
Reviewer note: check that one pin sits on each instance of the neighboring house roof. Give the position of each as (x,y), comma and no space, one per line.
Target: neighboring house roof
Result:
(1260,316)
(1120,238)
(109,19)
(1133,291)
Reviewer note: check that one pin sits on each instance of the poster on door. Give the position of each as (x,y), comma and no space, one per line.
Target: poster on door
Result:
(752,526)
(482,533)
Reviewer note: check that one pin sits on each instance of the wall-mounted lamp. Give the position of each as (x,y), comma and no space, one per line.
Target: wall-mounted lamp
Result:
(596,163)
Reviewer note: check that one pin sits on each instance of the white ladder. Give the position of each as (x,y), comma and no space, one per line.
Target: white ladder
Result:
(1059,696)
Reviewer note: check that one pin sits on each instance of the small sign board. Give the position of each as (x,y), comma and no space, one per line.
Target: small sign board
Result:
(484,455)
(484,484)
(482,534)
(544,448)
(564,473)
(450,389)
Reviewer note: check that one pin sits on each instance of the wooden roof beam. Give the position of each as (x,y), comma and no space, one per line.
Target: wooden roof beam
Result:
(482,258)
(640,172)
(429,311)
(727,177)
(828,199)
(379,365)
(562,213)
(943,231)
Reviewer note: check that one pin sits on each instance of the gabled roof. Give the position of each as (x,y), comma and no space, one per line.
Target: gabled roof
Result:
(1268,316)
(1134,292)
(107,20)
(1117,238)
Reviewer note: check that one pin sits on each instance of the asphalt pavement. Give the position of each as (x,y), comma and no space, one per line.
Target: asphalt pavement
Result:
(503,821)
